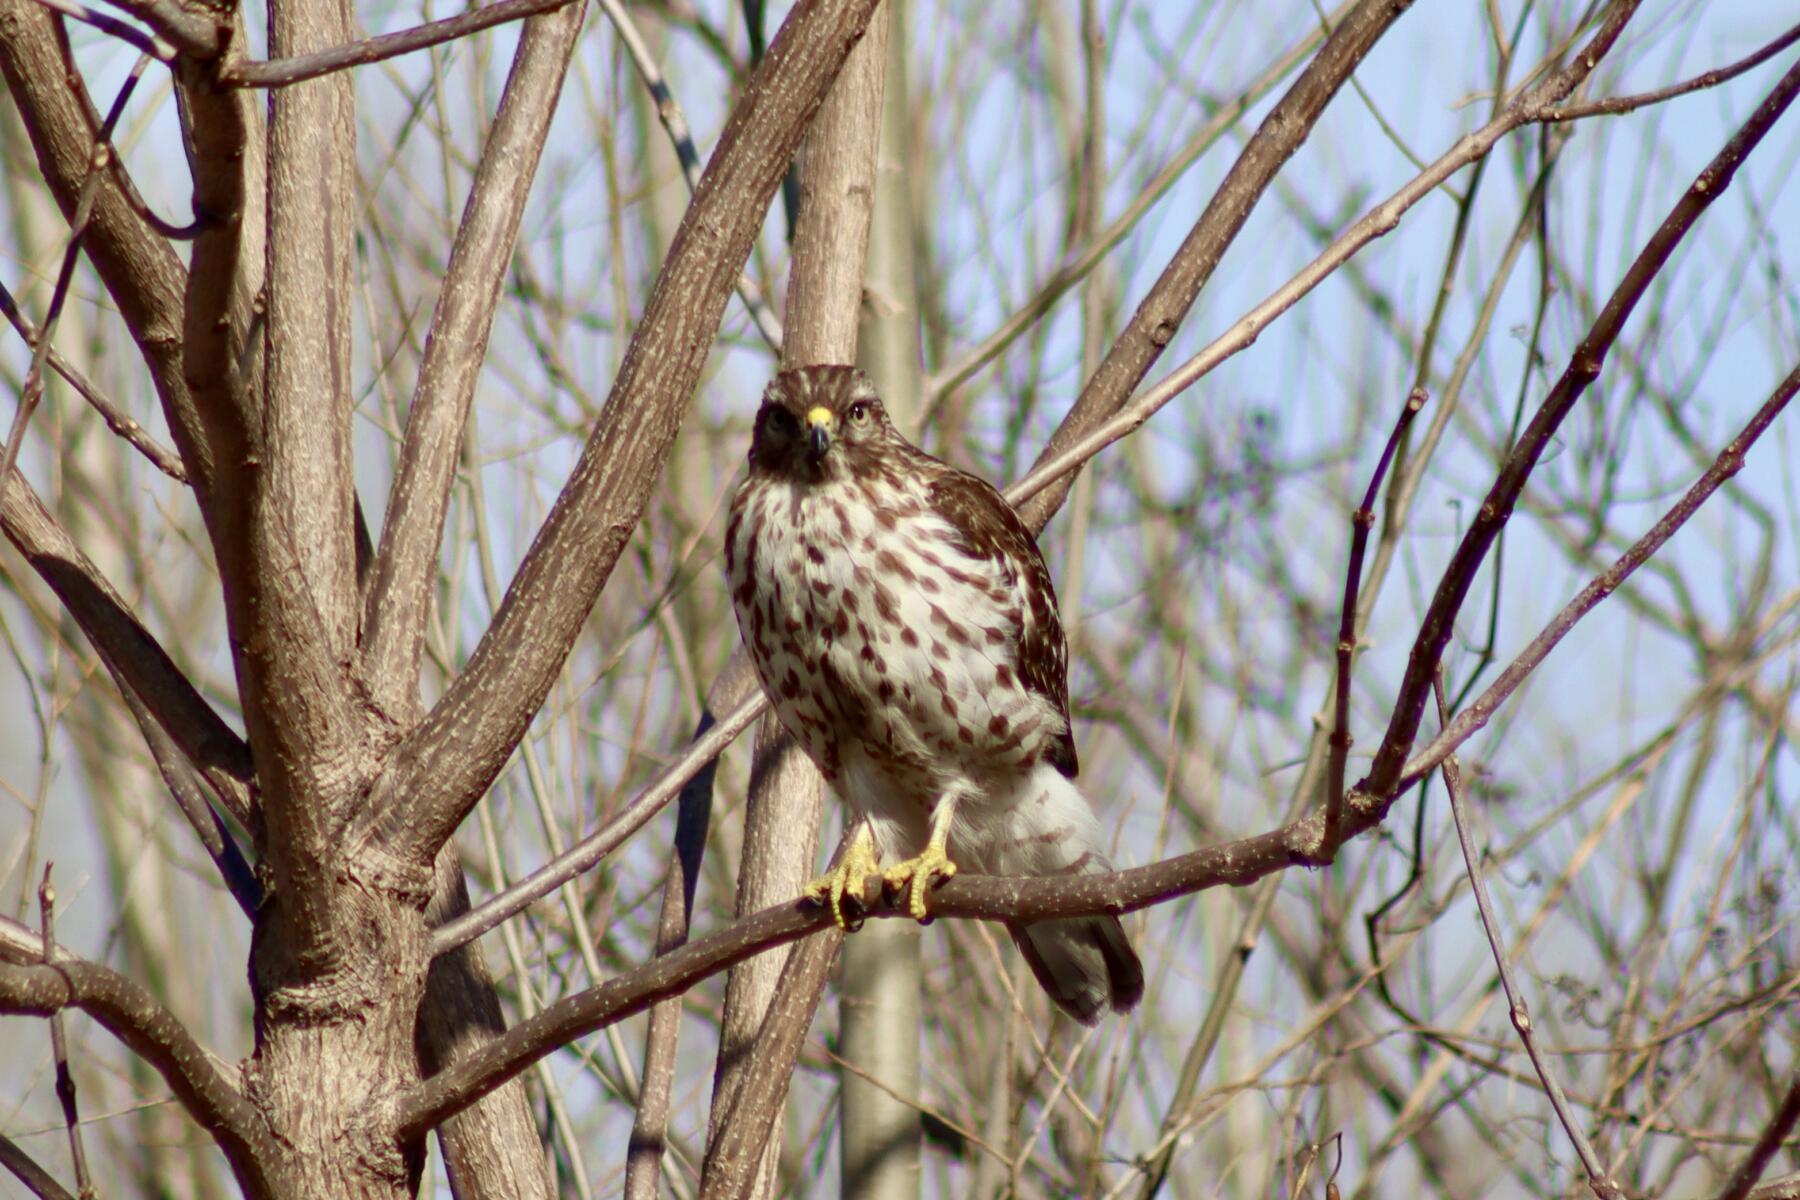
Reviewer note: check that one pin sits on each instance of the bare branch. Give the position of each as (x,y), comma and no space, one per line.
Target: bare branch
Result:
(1379,786)
(183,30)
(1729,462)
(41,1183)
(297,614)
(130,652)
(650,1127)
(1057,461)
(1604,1186)
(200,1081)
(1768,1144)
(185,787)
(140,270)
(674,123)
(397,601)
(283,72)
(1361,521)
(59,1046)
(491,1149)
(116,418)
(98,166)
(1614,105)
(1140,343)
(1073,272)
(736,1158)
(700,756)
(126,32)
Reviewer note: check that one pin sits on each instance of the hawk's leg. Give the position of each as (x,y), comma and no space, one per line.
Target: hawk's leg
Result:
(914,875)
(856,864)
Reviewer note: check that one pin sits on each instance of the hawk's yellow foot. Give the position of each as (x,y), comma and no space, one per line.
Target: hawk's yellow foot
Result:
(914,876)
(858,862)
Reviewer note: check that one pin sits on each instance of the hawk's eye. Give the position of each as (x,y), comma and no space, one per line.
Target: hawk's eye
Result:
(782,421)
(859,413)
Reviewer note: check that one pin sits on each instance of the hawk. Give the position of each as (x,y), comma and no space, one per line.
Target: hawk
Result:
(904,626)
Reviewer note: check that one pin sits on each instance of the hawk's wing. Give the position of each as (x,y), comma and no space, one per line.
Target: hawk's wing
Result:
(988,528)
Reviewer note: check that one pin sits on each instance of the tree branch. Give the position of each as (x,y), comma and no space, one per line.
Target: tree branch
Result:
(397,602)
(1604,1186)
(1380,786)
(702,753)
(283,72)
(1102,428)
(650,1127)
(41,1183)
(141,272)
(297,618)
(187,31)
(133,656)
(1768,1144)
(444,766)
(131,1014)
(1141,342)
(1614,105)
(1476,716)
(674,123)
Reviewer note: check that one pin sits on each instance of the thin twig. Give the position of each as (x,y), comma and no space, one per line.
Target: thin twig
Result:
(1361,521)
(59,1045)
(603,841)
(1377,222)
(650,1127)
(674,123)
(116,418)
(1729,462)
(283,71)
(1604,1186)
(98,163)
(147,43)
(1713,78)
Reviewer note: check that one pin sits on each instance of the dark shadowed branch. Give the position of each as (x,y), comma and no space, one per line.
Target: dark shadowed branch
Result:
(1768,1144)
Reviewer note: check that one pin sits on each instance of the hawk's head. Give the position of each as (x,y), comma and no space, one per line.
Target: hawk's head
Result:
(819,423)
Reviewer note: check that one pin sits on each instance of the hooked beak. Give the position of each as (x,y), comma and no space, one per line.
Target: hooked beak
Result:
(820,422)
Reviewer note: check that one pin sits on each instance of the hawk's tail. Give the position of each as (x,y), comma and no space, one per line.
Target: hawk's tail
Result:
(1085,963)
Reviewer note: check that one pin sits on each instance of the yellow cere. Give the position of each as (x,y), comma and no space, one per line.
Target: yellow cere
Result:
(819,416)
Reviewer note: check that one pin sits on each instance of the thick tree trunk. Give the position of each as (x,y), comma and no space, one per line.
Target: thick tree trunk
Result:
(335,1045)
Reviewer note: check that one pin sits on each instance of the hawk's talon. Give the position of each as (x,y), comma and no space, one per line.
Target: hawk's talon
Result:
(915,876)
(858,862)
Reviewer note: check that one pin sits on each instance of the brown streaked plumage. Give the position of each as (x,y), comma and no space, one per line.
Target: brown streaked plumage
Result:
(904,625)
